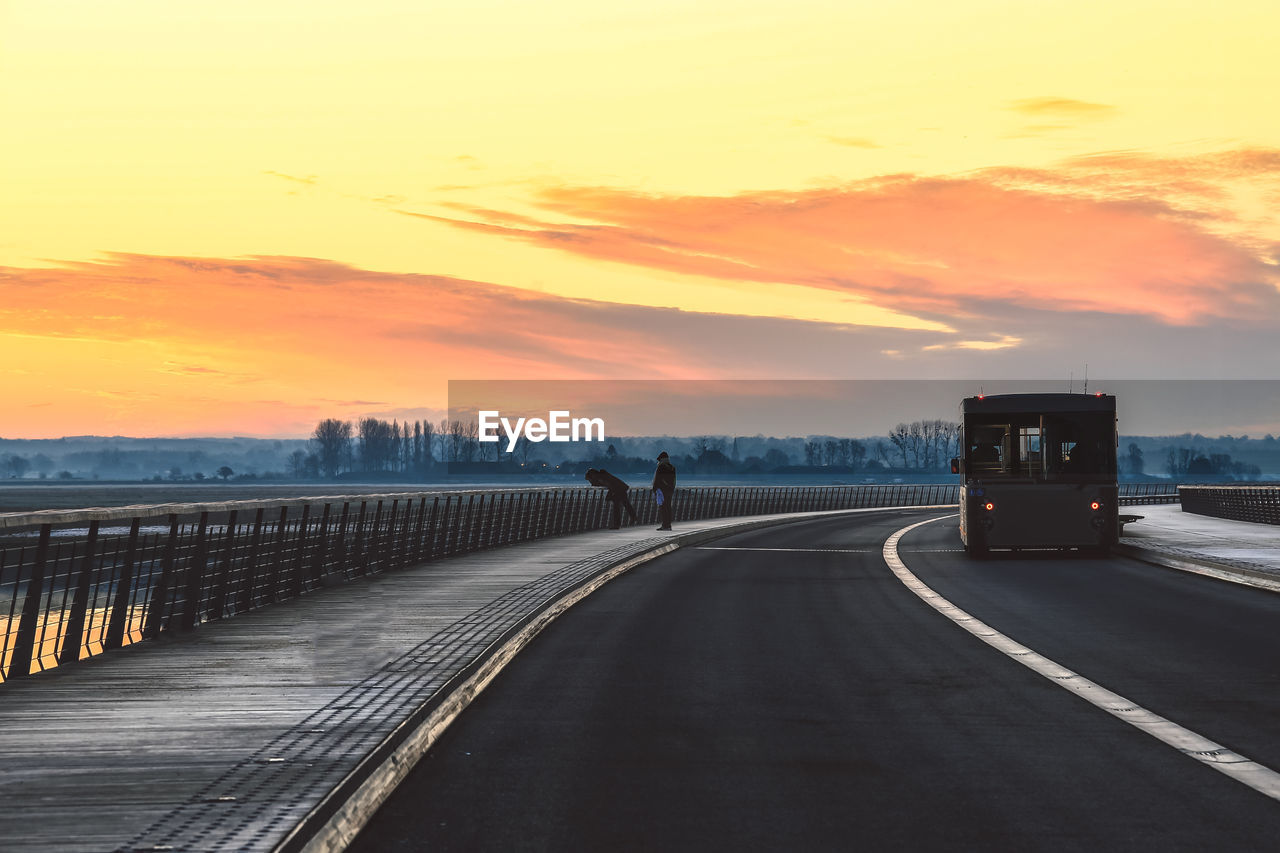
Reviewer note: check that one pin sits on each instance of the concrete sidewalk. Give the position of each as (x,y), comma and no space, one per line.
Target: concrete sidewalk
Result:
(1239,551)
(279,726)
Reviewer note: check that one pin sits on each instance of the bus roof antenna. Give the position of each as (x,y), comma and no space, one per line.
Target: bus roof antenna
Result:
(1086,377)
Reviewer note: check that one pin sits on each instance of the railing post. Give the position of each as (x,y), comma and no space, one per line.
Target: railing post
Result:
(457,527)
(502,522)
(342,560)
(74,635)
(433,537)
(372,540)
(297,581)
(555,512)
(532,507)
(419,545)
(245,599)
(485,527)
(24,643)
(453,520)
(397,528)
(445,528)
(357,560)
(386,538)
(160,592)
(124,589)
(401,537)
(510,518)
(218,606)
(276,574)
(545,514)
(195,577)
(466,529)
(475,523)
(322,546)
(542,515)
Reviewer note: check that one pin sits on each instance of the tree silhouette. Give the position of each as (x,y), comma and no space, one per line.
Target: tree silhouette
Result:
(332,443)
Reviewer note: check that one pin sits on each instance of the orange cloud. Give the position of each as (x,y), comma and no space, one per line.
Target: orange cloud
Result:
(1067,240)
(175,345)
(143,345)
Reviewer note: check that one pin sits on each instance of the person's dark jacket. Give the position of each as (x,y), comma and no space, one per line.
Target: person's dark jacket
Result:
(601,477)
(664,478)
(611,482)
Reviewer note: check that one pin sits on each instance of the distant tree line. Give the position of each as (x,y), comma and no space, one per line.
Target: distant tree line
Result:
(1183,462)
(412,449)
(926,445)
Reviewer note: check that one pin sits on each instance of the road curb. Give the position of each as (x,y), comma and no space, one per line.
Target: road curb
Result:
(1255,578)
(332,825)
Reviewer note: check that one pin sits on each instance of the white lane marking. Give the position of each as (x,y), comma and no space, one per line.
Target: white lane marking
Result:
(801,550)
(1258,777)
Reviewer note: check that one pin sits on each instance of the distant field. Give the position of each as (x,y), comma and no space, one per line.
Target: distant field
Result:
(33,495)
(36,496)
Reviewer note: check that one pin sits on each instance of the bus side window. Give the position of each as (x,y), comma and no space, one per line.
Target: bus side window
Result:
(986,450)
(1029,451)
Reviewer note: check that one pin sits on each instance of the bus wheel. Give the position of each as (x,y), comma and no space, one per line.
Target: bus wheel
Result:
(976,552)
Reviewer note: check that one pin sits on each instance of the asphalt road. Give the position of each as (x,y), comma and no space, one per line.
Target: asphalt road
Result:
(803,698)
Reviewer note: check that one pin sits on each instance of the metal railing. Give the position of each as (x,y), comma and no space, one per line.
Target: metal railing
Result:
(1240,503)
(1136,494)
(76,583)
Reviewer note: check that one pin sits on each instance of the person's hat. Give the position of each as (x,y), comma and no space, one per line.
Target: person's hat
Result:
(663,455)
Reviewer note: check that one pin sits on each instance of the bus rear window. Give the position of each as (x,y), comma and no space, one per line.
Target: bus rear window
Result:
(1035,447)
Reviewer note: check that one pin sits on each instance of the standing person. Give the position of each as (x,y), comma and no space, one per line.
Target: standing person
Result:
(664,488)
(617,495)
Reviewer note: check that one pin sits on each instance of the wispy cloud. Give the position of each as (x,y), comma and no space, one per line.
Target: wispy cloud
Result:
(191,370)
(1056,114)
(1057,106)
(307,180)
(854,142)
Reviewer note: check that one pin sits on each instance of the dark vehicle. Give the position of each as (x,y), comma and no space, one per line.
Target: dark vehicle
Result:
(1039,471)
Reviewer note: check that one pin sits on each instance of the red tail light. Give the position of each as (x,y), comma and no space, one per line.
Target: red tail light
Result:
(1095,506)
(988,506)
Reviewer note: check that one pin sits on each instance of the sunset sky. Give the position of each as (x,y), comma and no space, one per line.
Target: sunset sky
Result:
(238,218)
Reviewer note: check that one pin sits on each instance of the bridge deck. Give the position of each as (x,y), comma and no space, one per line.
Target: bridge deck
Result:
(226,737)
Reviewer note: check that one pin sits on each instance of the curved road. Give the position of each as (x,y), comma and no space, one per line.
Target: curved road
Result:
(783,690)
